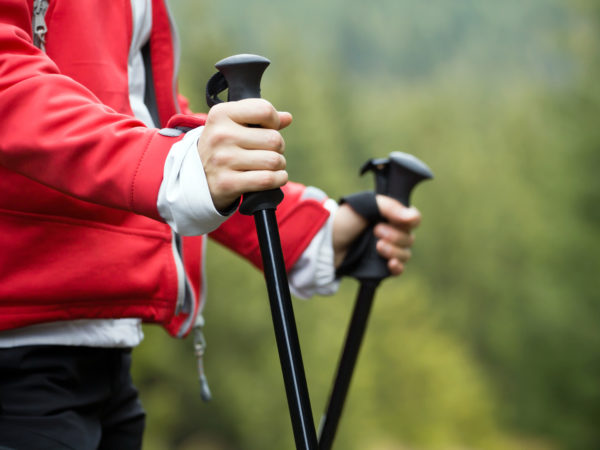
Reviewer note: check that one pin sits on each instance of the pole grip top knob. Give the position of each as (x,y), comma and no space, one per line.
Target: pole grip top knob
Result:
(240,74)
(397,175)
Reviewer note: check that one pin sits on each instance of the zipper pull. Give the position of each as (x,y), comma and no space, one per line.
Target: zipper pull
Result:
(39,24)
(199,349)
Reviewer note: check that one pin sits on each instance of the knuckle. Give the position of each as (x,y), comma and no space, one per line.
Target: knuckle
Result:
(216,112)
(282,162)
(220,158)
(266,181)
(264,109)
(224,183)
(274,140)
(271,180)
(283,178)
(275,161)
(218,135)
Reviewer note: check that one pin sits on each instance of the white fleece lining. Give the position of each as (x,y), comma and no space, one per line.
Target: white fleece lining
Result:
(184,199)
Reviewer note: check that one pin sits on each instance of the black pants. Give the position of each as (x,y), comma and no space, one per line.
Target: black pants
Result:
(60,397)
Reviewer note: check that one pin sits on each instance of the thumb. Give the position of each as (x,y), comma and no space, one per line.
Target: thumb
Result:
(398,214)
(285,119)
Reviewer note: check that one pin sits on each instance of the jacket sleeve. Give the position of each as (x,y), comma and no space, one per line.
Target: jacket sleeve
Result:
(300,216)
(57,132)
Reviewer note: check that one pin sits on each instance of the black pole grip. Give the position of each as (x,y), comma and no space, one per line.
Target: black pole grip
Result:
(241,76)
(396,177)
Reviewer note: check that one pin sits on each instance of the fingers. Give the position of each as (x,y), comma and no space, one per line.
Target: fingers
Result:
(260,180)
(227,125)
(253,111)
(238,158)
(231,134)
(396,237)
(398,214)
(397,257)
(395,267)
(228,185)
(261,138)
(242,160)
(285,118)
(390,251)
(395,247)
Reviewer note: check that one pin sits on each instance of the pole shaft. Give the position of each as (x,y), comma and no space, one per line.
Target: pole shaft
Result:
(354,337)
(286,333)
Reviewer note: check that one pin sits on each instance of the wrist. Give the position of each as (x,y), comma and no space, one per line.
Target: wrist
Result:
(347,226)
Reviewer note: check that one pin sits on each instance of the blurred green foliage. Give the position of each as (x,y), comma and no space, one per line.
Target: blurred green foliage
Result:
(491,338)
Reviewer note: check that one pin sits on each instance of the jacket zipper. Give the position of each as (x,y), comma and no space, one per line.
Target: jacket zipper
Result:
(40,7)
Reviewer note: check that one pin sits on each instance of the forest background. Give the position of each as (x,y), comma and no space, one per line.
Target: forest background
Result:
(491,339)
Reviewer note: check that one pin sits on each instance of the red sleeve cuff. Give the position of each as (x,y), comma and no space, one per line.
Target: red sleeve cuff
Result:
(149,175)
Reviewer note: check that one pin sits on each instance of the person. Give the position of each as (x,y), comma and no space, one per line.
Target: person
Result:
(110,186)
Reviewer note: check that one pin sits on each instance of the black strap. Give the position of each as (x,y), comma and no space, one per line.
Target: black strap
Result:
(216,85)
(360,253)
(365,204)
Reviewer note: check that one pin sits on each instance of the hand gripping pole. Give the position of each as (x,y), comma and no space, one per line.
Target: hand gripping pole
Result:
(395,176)
(241,75)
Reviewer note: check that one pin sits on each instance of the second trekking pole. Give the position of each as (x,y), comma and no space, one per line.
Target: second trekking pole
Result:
(241,75)
(396,177)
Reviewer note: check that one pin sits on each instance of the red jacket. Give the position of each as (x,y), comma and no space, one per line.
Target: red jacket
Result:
(80,234)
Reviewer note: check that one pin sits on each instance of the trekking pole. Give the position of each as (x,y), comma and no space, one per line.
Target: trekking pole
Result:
(241,75)
(395,176)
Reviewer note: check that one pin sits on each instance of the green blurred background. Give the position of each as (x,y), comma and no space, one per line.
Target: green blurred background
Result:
(491,338)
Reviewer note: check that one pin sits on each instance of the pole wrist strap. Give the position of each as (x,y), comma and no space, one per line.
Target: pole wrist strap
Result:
(365,204)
